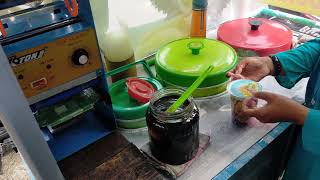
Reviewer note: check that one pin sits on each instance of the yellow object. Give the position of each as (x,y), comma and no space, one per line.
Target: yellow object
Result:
(175,28)
(249,89)
(49,65)
(306,6)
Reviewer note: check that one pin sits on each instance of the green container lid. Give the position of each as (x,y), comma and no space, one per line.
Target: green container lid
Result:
(125,107)
(181,62)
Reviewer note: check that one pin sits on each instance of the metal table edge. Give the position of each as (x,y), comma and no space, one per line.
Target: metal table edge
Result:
(244,158)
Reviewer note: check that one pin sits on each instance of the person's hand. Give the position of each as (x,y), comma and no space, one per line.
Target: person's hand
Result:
(278,108)
(254,68)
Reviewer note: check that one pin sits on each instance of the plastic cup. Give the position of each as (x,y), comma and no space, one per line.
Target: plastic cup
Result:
(241,93)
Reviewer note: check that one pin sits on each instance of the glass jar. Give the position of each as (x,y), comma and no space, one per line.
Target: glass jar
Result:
(174,137)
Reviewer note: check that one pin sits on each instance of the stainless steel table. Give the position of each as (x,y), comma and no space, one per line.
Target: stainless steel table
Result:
(230,147)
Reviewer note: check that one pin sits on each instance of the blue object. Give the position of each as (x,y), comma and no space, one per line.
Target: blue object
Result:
(32,21)
(11,3)
(299,63)
(64,95)
(94,125)
(81,134)
(199,4)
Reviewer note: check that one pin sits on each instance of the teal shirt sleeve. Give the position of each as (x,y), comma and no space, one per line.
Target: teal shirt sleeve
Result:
(298,63)
(311,132)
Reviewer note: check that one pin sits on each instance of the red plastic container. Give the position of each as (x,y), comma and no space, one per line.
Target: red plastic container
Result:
(256,36)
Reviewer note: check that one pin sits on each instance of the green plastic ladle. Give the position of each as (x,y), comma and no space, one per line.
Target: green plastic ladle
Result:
(189,91)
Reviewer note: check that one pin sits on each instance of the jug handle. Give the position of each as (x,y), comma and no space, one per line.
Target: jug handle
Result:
(74,10)
(3,30)
(128,66)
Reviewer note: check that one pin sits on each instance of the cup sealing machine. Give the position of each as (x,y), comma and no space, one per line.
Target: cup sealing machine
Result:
(52,49)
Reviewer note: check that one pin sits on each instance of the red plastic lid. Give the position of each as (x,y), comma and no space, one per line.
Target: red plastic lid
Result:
(257,34)
(140,89)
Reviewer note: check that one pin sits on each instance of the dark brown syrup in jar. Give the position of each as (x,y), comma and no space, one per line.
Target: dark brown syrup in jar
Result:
(174,136)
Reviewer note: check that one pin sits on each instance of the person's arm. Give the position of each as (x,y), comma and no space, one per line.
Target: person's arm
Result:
(298,63)
(311,132)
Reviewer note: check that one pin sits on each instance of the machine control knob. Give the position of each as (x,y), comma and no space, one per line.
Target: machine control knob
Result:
(80,57)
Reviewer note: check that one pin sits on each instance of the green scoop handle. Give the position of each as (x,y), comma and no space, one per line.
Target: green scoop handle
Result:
(189,91)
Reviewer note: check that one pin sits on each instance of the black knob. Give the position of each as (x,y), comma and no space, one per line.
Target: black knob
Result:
(255,24)
(20,77)
(80,57)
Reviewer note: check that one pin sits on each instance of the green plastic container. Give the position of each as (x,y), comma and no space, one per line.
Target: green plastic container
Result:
(180,63)
(129,113)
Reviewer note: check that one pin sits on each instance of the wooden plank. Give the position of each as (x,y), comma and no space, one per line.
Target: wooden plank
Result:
(112,157)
